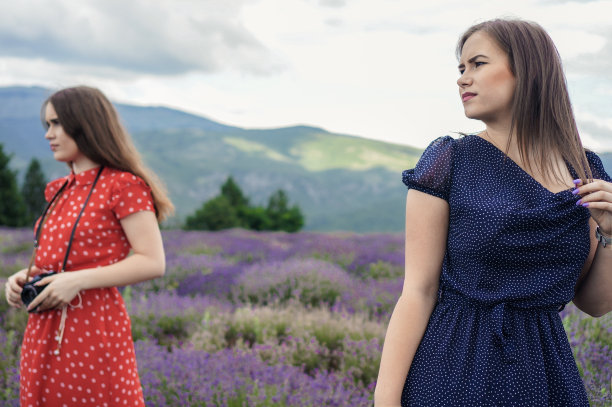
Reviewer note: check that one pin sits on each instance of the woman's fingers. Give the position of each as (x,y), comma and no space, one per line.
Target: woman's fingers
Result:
(13,298)
(596,185)
(58,293)
(13,288)
(597,197)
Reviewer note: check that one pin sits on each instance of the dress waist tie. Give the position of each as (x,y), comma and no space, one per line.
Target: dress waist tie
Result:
(501,329)
(60,331)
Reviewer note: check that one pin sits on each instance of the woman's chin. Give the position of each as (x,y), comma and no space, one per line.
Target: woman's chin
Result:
(470,113)
(60,157)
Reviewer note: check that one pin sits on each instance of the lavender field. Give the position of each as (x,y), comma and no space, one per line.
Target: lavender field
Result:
(270,319)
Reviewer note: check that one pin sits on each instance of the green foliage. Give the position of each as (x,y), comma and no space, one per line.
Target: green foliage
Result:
(215,214)
(281,216)
(591,343)
(12,326)
(312,338)
(231,209)
(33,191)
(255,218)
(8,372)
(312,283)
(12,207)
(167,330)
(233,193)
(383,270)
(21,247)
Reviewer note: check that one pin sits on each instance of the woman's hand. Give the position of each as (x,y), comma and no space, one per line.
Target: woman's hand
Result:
(597,197)
(14,286)
(61,290)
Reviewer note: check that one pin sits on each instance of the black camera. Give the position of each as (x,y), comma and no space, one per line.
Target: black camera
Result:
(30,291)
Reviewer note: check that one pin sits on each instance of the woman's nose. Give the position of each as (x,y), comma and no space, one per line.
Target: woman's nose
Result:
(464,80)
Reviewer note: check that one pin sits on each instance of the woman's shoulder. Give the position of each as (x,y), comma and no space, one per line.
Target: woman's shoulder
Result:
(592,156)
(597,167)
(458,139)
(432,173)
(120,178)
(451,144)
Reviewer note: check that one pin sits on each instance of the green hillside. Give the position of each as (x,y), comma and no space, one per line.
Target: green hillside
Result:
(341,182)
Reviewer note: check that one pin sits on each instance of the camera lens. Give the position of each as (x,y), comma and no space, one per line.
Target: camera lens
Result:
(28,294)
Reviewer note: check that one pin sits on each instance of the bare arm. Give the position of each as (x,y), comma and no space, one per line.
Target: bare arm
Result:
(594,291)
(148,261)
(426,234)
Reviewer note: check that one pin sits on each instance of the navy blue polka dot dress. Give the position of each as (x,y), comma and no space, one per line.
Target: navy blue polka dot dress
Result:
(514,253)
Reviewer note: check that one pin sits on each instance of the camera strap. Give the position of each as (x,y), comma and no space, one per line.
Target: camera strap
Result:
(76,221)
(48,210)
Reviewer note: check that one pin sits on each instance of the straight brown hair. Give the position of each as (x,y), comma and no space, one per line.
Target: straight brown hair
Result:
(542,116)
(91,120)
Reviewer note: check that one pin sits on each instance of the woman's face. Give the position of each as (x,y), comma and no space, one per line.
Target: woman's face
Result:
(486,84)
(63,146)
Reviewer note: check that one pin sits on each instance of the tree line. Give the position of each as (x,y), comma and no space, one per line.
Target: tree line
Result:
(231,208)
(20,206)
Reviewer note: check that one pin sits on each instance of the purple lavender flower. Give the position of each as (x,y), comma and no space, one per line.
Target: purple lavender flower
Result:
(312,282)
(186,377)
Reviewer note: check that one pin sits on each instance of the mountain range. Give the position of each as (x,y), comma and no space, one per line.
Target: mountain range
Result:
(341,182)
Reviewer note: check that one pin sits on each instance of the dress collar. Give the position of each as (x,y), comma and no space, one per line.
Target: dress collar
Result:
(83,178)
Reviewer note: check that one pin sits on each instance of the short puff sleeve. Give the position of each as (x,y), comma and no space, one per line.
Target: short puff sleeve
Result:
(433,172)
(597,168)
(130,194)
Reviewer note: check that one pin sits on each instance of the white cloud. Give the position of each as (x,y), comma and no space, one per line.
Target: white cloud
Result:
(383,69)
(160,37)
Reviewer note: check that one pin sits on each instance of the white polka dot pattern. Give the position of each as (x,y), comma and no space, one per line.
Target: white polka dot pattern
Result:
(88,371)
(514,253)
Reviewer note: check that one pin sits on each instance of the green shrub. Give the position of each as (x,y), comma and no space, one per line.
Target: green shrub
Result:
(314,339)
(383,270)
(312,282)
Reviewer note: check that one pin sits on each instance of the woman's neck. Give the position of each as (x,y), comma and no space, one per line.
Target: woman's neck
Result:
(499,137)
(83,164)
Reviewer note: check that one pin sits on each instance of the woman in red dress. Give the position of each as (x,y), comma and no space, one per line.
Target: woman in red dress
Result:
(77,348)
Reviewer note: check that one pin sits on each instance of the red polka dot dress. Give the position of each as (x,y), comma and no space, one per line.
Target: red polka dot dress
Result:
(96,364)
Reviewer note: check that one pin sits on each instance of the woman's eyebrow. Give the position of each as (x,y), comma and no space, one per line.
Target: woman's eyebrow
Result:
(475,57)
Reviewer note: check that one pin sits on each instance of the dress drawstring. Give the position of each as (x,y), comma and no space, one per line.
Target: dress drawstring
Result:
(501,324)
(60,331)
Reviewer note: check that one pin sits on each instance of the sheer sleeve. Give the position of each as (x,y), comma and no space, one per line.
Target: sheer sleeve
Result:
(597,168)
(433,172)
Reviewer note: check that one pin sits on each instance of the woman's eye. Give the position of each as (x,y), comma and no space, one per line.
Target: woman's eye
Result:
(477,64)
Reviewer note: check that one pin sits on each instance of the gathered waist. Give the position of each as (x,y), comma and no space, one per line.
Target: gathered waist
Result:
(450,296)
(501,328)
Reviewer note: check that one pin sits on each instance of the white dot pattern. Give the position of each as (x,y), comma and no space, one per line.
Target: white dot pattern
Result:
(514,253)
(88,370)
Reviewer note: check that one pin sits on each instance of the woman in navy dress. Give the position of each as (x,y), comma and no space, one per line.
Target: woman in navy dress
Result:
(503,228)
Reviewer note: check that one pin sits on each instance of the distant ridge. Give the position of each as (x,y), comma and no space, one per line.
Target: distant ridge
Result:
(341,182)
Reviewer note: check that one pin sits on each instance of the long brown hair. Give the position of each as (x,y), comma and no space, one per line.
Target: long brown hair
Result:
(542,116)
(91,120)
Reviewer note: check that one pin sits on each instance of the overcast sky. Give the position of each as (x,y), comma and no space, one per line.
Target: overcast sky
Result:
(382,69)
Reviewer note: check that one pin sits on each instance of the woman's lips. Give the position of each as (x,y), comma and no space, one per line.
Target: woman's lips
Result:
(467,96)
